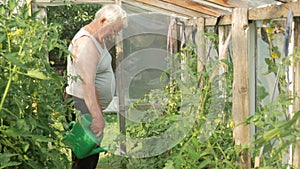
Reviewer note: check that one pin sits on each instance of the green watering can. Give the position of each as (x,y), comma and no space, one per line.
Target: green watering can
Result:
(81,139)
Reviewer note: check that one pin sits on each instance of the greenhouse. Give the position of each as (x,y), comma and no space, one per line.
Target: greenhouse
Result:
(199,84)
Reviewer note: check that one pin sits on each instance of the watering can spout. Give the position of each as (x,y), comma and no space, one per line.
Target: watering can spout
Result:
(98,150)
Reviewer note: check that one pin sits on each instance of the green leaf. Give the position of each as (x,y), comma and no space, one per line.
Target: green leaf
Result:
(4,156)
(42,139)
(262,92)
(2,38)
(169,165)
(10,132)
(13,58)
(204,154)
(10,164)
(26,147)
(34,73)
(268,136)
(204,163)
(5,160)
(12,5)
(272,67)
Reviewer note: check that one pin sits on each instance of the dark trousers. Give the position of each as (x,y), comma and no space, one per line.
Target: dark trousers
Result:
(89,162)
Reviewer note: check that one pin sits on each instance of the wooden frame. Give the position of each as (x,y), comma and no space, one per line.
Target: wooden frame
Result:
(269,12)
(193,8)
(240,93)
(205,13)
(296,155)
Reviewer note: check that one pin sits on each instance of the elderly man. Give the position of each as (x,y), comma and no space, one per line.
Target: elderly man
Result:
(91,81)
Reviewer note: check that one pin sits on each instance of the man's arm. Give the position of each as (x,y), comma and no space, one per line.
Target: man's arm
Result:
(87,57)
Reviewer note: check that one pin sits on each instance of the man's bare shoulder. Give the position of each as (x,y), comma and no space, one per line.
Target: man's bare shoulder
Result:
(78,45)
(82,41)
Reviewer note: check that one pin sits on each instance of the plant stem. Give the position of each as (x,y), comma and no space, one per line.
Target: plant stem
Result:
(7,85)
(11,71)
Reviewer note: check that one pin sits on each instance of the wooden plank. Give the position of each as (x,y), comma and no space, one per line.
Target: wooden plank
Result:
(171,7)
(225,20)
(120,86)
(215,7)
(156,9)
(63,2)
(296,82)
(285,1)
(270,12)
(224,33)
(240,102)
(230,3)
(252,56)
(193,6)
(274,11)
(201,44)
(223,36)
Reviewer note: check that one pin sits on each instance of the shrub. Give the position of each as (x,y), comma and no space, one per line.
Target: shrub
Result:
(31,106)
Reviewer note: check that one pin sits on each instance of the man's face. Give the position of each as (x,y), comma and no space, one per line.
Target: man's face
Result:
(110,31)
(113,29)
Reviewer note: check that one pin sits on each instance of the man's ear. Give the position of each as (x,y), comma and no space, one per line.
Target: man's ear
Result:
(103,20)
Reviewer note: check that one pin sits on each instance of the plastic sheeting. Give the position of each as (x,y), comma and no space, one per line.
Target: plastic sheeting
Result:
(145,55)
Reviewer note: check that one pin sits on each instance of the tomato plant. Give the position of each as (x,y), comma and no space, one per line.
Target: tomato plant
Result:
(31,105)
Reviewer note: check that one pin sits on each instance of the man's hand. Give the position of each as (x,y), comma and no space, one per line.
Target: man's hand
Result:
(97,126)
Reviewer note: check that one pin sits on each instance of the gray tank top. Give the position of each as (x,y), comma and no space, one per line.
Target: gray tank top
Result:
(104,80)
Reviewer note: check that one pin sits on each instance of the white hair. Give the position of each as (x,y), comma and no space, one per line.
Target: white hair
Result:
(111,13)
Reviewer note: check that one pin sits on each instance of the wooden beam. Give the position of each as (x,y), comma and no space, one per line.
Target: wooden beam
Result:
(240,94)
(155,9)
(285,1)
(252,67)
(193,6)
(223,33)
(230,3)
(215,7)
(64,2)
(120,86)
(171,7)
(274,11)
(296,82)
(201,44)
(225,20)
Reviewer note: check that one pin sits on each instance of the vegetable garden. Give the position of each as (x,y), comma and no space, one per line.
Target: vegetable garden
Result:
(32,107)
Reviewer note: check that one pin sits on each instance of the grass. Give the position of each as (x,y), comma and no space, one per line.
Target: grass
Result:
(109,160)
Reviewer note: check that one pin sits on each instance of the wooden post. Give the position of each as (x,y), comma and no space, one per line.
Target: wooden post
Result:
(172,47)
(41,15)
(296,154)
(252,53)
(121,97)
(224,37)
(200,41)
(240,105)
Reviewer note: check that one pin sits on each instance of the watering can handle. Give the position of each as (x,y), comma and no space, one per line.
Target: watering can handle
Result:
(71,124)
